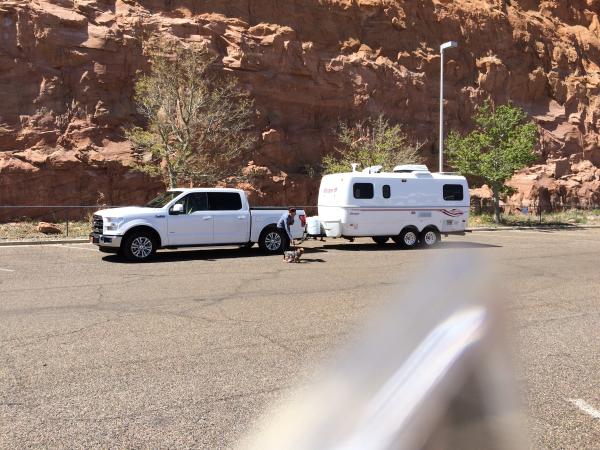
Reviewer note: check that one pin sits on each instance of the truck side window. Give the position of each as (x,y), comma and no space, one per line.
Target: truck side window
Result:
(224,201)
(363,190)
(194,202)
(387,192)
(453,192)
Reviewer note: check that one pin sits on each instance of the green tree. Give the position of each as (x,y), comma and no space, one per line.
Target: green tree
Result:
(501,143)
(197,119)
(372,142)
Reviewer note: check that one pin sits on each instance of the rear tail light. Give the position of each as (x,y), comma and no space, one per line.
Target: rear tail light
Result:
(302,219)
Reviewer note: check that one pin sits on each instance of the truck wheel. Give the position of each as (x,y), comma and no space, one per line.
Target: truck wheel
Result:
(272,241)
(380,240)
(139,246)
(429,237)
(408,238)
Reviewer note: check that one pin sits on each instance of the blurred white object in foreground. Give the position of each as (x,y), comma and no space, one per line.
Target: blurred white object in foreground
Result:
(430,372)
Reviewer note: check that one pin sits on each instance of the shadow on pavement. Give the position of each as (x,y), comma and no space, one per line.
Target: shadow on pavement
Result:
(552,229)
(212,254)
(390,246)
(466,244)
(546,228)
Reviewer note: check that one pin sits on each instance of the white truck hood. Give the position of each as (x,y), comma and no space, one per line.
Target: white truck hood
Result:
(128,212)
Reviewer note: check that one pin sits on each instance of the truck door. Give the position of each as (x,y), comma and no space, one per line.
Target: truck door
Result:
(195,225)
(232,221)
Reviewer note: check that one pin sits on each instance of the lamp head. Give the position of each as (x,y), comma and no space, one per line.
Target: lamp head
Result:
(449,44)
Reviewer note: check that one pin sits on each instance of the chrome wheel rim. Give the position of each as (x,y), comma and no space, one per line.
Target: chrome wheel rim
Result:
(273,241)
(430,238)
(141,247)
(410,238)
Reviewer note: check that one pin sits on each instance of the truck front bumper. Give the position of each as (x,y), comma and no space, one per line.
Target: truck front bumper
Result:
(103,240)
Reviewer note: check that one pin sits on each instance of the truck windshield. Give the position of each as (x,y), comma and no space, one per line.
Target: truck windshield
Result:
(162,199)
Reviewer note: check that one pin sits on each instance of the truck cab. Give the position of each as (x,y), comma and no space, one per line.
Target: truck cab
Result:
(191,218)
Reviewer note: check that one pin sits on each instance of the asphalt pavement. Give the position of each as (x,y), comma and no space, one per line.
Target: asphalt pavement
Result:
(189,350)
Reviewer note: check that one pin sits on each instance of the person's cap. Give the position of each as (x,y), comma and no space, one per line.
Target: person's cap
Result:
(292,210)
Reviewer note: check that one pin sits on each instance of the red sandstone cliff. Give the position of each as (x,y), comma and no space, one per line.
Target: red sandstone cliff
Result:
(67,69)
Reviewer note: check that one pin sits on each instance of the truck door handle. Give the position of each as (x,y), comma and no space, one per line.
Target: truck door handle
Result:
(241,217)
(207,218)
(160,216)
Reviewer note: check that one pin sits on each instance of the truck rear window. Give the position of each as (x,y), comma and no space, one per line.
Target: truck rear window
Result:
(363,190)
(224,201)
(453,192)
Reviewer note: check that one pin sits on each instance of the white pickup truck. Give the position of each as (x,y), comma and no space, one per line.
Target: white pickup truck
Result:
(191,218)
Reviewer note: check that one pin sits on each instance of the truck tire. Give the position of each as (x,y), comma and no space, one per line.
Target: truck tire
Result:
(408,238)
(272,241)
(139,246)
(429,237)
(380,240)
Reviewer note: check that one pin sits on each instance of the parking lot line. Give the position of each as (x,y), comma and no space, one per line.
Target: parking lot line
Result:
(585,407)
(6,270)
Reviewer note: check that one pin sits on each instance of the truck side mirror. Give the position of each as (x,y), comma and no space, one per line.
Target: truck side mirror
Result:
(177,209)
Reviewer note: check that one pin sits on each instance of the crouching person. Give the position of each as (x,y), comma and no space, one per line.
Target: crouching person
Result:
(285,223)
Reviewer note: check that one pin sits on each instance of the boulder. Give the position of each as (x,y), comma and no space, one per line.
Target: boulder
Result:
(48,228)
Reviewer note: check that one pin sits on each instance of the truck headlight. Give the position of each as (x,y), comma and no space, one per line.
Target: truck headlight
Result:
(113,223)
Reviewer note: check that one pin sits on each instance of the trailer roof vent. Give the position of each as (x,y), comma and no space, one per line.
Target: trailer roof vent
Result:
(410,168)
(423,174)
(373,169)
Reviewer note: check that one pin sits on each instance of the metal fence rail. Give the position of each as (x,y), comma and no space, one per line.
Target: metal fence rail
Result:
(531,212)
(536,211)
(53,213)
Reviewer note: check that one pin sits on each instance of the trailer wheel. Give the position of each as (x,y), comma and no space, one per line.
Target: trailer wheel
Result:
(380,240)
(429,237)
(272,241)
(408,238)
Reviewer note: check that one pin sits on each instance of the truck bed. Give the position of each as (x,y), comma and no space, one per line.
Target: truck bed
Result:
(269,208)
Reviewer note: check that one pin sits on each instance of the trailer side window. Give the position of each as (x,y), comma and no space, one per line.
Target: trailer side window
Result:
(387,192)
(363,190)
(453,192)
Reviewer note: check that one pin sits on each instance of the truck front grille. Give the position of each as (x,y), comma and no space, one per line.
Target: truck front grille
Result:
(97,224)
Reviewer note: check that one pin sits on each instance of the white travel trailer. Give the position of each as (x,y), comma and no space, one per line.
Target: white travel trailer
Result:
(409,205)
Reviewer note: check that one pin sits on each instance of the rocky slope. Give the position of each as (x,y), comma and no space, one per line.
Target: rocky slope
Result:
(67,69)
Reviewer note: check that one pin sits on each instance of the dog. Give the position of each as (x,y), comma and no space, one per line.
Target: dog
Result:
(293,256)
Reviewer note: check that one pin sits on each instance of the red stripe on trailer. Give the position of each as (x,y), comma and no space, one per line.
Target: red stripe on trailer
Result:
(453,212)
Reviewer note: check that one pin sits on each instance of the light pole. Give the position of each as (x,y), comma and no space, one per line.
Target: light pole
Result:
(444,46)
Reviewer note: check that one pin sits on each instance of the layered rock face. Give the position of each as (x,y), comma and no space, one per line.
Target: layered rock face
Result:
(67,69)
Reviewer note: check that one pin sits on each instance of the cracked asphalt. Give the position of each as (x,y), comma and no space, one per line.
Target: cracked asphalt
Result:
(187,351)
